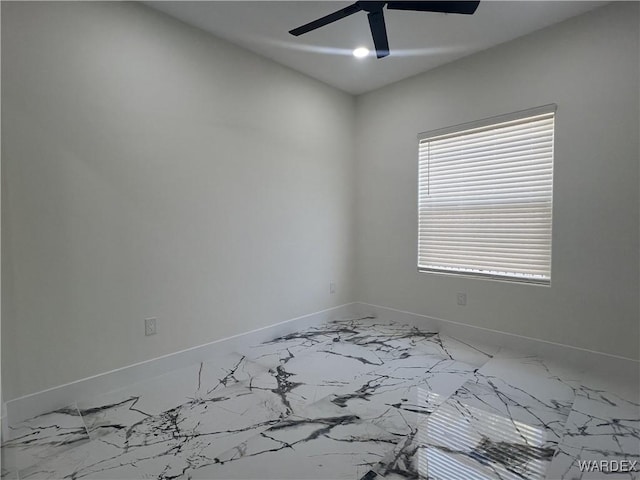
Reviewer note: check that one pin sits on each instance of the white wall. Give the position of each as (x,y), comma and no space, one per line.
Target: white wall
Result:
(589,67)
(152,170)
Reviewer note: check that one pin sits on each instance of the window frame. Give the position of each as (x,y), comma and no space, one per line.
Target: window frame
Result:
(479,125)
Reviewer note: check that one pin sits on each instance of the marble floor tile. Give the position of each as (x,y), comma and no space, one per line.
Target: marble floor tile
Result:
(396,340)
(464,442)
(172,442)
(532,373)
(602,427)
(300,380)
(455,349)
(42,437)
(134,403)
(400,396)
(535,408)
(393,340)
(385,338)
(528,389)
(322,441)
(272,353)
(505,421)
(351,399)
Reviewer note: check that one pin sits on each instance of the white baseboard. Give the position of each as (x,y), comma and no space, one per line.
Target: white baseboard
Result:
(598,363)
(4,430)
(611,366)
(4,427)
(29,406)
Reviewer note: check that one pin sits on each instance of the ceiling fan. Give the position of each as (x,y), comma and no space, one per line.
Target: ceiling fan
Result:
(376,17)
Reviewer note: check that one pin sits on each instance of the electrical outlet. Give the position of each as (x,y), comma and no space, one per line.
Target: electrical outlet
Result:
(332,288)
(150,326)
(462,298)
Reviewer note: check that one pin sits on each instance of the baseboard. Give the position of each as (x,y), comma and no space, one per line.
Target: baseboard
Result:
(4,429)
(29,406)
(599,363)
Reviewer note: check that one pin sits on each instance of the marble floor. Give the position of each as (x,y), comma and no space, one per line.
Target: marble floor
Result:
(353,399)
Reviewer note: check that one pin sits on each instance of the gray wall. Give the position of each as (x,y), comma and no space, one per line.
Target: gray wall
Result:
(152,170)
(589,67)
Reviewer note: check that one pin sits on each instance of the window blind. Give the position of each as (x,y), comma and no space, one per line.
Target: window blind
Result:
(485,197)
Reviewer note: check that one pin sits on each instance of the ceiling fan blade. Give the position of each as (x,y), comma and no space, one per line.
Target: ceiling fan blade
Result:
(466,8)
(326,20)
(379,33)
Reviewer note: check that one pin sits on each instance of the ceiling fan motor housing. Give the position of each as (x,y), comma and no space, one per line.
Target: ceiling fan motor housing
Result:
(376,17)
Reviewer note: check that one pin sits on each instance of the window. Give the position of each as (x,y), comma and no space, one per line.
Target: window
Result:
(485,198)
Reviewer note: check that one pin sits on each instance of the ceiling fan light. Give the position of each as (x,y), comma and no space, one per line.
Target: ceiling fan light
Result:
(361,52)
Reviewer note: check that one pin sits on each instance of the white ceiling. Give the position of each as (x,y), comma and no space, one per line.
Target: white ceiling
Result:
(418,41)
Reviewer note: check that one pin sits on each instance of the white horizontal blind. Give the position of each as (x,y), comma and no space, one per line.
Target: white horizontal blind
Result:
(485,198)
